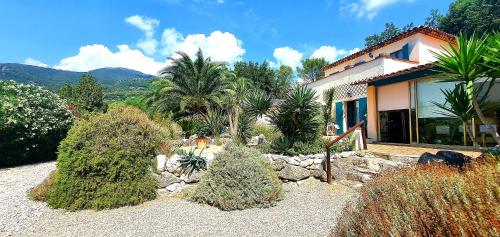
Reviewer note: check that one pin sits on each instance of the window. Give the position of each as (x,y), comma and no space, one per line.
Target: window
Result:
(403,53)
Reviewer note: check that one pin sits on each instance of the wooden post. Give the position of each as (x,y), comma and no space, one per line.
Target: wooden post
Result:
(329,146)
(328,166)
(363,135)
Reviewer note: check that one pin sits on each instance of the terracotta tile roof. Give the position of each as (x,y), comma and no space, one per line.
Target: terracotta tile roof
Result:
(419,29)
(394,74)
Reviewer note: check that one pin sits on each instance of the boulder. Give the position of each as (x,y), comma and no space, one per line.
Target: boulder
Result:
(295,173)
(428,158)
(193,178)
(278,164)
(173,187)
(454,158)
(165,179)
(161,160)
(319,174)
(306,163)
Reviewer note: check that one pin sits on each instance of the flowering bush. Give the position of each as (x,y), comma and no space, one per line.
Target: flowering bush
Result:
(32,123)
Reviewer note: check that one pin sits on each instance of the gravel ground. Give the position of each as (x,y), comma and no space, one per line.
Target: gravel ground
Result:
(307,210)
(17,212)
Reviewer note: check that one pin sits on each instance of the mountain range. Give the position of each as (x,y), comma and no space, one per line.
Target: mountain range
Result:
(54,78)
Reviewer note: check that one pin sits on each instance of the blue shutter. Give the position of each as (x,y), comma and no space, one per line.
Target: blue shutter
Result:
(362,110)
(406,52)
(339,117)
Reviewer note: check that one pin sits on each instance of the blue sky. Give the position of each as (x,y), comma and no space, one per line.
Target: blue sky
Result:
(141,34)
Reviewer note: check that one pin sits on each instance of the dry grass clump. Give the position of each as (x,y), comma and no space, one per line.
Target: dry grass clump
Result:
(429,200)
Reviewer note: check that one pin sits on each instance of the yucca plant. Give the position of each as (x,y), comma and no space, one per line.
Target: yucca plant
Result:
(464,62)
(457,104)
(298,116)
(189,162)
(236,92)
(257,103)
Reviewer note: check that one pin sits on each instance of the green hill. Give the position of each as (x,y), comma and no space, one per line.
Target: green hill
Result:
(53,78)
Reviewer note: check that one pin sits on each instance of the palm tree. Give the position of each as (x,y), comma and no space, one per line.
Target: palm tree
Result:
(187,88)
(465,63)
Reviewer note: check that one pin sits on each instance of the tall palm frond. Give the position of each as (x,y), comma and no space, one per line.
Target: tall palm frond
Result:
(187,87)
(257,103)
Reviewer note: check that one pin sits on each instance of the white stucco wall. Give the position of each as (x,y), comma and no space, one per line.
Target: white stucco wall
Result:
(413,47)
(370,69)
(428,44)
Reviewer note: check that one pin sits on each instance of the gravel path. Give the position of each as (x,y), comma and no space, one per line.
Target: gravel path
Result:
(307,210)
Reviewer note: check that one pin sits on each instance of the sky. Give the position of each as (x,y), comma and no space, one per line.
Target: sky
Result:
(143,34)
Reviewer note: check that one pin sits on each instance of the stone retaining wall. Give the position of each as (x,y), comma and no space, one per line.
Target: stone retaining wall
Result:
(349,168)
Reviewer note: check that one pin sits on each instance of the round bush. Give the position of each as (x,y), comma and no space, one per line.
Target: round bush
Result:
(105,161)
(32,123)
(239,178)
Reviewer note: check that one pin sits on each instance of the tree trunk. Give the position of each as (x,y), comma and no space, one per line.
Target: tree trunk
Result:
(481,116)
(469,132)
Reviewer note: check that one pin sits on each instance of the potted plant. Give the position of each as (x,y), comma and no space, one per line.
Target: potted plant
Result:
(202,139)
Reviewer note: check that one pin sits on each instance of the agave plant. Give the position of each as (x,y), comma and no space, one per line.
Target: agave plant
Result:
(189,162)
(298,116)
(465,63)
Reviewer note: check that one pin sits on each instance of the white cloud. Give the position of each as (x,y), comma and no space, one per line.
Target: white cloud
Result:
(354,50)
(96,56)
(329,53)
(287,56)
(220,46)
(34,62)
(367,8)
(148,25)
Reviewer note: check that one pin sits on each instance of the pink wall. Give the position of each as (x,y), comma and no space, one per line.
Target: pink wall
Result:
(393,97)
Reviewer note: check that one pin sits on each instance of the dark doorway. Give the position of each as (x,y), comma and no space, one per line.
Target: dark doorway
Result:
(352,113)
(394,126)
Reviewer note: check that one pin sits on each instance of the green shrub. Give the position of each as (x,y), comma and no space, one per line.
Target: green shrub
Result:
(493,154)
(32,123)
(39,192)
(430,200)
(239,178)
(270,132)
(284,146)
(172,130)
(105,161)
(298,117)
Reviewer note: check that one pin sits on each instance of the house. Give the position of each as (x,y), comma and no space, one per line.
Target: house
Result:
(392,86)
(405,50)
(402,109)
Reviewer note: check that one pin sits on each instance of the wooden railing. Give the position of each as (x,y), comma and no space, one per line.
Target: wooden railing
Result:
(337,139)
